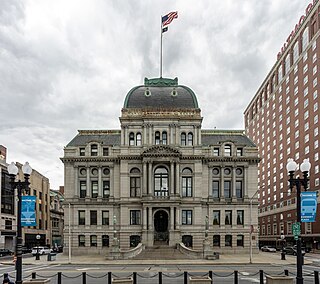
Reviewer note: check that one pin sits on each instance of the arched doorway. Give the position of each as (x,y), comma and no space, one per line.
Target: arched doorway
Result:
(161,232)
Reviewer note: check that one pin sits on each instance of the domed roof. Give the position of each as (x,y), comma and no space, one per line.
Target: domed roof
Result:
(161,93)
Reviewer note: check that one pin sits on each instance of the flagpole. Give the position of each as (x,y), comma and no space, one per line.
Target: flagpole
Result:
(161,48)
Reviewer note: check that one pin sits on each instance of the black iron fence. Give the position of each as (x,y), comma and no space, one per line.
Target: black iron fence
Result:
(156,277)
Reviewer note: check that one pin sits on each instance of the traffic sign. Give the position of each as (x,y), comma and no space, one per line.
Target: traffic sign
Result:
(296,230)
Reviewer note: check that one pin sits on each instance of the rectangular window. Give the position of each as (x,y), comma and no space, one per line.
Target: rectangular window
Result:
(82,151)
(135,217)
(239,190)
(216,151)
(216,217)
(82,217)
(83,189)
(215,189)
(105,188)
(105,217)
(228,217)
(187,186)
(186,217)
(135,186)
(105,151)
(93,217)
(94,189)
(227,189)
(240,214)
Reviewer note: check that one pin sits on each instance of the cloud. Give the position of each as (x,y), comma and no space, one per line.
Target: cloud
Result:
(68,65)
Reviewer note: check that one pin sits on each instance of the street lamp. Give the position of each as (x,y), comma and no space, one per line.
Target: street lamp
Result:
(19,185)
(38,239)
(292,166)
(283,255)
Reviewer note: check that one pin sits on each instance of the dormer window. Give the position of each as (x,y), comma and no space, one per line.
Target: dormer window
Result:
(94,150)
(227,150)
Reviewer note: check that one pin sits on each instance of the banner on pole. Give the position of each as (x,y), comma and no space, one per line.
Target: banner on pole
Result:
(28,211)
(308,206)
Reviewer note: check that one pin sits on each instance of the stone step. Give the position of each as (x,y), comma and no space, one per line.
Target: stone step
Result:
(161,252)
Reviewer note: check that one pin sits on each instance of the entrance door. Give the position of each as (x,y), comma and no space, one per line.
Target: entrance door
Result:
(161,232)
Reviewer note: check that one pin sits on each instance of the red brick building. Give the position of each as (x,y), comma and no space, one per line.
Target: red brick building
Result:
(283,120)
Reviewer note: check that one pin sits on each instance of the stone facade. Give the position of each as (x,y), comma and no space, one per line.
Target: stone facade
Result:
(155,180)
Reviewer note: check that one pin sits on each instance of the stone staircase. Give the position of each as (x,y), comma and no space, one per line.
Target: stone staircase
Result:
(161,252)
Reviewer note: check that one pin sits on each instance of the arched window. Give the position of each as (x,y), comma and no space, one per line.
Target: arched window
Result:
(161,182)
(105,240)
(280,73)
(164,138)
(305,38)
(287,64)
(187,182)
(131,139)
(135,182)
(190,139)
(227,150)
(157,137)
(295,52)
(183,139)
(94,150)
(81,241)
(138,139)
(93,240)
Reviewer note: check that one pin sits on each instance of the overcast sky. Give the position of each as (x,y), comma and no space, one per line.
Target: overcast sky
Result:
(68,64)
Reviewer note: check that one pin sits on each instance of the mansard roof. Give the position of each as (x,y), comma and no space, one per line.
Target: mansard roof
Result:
(105,137)
(161,93)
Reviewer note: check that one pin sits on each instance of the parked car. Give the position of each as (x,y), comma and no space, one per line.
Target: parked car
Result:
(26,250)
(40,250)
(4,252)
(293,251)
(268,249)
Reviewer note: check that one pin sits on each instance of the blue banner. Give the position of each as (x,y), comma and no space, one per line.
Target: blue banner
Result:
(28,211)
(308,206)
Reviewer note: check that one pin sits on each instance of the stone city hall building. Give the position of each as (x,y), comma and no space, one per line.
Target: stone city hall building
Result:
(157,179)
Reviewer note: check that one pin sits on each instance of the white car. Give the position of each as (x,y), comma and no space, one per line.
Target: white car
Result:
(40,250)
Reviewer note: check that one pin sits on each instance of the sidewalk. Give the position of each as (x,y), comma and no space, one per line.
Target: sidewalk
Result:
(261,258)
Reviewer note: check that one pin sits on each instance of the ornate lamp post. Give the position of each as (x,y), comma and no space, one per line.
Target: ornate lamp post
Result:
(292,166)
(38,243)
(19,185)
(283,255)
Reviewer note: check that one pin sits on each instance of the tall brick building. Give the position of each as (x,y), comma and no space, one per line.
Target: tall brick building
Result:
(283,120)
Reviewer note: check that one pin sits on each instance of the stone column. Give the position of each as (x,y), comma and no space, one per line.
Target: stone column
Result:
(76,181)
(150,178)
(99,182)
(88,182)
(145,180)
(171,178)
(177,191)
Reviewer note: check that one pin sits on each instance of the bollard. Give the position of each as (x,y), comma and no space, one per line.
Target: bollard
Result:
(160,277)
(109,277)
(236,277)
(33,275)
(286,272)
(316,277)
(59,277)
(84,277)
(185,277)
(211,276)
(134,277)
(261,276)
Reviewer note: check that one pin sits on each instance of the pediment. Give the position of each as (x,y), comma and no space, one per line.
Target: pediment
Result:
(161,150)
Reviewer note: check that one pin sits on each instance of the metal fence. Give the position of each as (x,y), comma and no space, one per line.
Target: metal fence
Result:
(156,277)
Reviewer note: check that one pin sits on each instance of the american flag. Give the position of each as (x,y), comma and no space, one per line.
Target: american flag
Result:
(167,19)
